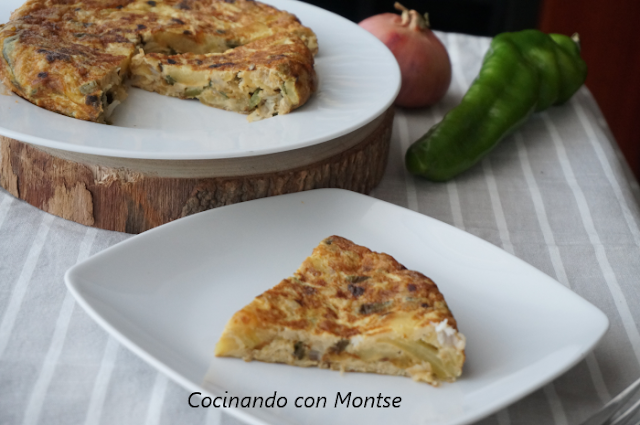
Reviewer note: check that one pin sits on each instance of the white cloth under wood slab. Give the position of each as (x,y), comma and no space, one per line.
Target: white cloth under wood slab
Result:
(557,194)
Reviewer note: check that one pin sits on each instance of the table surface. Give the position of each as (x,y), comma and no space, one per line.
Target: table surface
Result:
(556,194)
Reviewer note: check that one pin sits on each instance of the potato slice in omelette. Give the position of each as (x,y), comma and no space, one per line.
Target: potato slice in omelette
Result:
(350,309)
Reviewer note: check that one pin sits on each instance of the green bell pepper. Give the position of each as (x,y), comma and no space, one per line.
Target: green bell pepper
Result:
(522,73)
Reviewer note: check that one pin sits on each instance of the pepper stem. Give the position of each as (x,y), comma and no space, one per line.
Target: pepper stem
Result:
(412,19)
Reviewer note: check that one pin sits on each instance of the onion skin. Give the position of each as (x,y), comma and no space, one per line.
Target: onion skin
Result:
(424,63)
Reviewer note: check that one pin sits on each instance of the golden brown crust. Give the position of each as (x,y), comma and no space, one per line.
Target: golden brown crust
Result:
(355,309)
(60,75)
(76,42)
(368,291)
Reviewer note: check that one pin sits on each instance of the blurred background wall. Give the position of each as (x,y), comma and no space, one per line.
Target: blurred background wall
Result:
(610,43)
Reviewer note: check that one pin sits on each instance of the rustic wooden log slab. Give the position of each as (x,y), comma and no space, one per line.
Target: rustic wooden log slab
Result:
(133,195)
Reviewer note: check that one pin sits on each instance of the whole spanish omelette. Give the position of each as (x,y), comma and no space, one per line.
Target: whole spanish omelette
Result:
(73,56)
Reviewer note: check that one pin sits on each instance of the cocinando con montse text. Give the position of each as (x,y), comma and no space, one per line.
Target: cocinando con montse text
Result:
(341,399)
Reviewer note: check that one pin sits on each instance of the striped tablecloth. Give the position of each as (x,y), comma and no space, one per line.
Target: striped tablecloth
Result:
(557,194)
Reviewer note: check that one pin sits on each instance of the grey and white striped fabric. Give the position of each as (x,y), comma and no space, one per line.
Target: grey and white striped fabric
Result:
(556,194)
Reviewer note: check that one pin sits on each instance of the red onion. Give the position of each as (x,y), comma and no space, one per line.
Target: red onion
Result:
(423,59)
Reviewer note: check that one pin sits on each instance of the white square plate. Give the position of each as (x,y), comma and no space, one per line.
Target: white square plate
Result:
(168,293)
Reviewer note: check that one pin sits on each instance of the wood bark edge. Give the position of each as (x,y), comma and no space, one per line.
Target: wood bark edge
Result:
(132,202)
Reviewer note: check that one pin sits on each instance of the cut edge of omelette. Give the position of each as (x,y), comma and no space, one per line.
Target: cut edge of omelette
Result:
(350,309)
(272,76)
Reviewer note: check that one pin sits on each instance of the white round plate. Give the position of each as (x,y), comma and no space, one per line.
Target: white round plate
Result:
(359,79)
